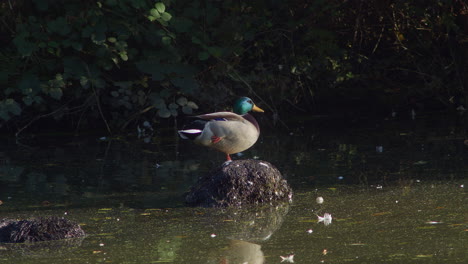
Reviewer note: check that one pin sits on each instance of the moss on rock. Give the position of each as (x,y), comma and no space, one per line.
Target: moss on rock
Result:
(239,183)
(38,229)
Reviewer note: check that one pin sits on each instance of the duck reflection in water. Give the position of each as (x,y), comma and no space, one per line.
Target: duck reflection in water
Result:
(240,251)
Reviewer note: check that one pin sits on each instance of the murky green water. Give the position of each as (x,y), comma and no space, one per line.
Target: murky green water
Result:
(395,193)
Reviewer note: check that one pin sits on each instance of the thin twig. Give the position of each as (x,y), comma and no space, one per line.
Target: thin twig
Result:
(97,102)
(252,91)
(136,115)
(378,41)
(37,118)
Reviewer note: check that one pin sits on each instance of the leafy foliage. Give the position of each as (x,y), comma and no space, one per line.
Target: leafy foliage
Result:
(118,61)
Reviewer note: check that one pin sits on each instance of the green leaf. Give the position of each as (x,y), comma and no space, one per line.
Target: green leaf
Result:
(187,85)
(59,26)
(160,7)
(56,93)
(4,114)
(196,40)
(24,46)
(164,113)
(173,106)
(166,40)
(187,110)
(155,13)
(215,51)
(29,100)
(181,101)
(84,81)
(9,106)
(53,44)
(203,55)
(123,55)
(13,106)
(29,84)
(162,22)
(192,105)
(158,102)
(166,16)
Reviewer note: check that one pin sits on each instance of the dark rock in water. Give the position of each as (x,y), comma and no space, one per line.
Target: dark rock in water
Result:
(38,229)
(239,183)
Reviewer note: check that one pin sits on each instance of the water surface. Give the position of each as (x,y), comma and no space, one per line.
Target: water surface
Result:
(395,191)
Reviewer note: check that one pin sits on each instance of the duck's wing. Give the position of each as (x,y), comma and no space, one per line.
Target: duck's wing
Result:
(222,116)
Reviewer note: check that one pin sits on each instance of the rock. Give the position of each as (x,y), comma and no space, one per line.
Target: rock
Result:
(239,183)
(38,229)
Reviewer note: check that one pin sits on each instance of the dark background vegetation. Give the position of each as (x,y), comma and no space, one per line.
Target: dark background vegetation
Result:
(81,65)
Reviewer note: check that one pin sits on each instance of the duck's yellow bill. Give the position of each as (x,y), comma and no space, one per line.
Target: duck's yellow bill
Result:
(257,109)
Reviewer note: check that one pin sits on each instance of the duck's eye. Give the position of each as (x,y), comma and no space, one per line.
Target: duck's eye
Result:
(249,101)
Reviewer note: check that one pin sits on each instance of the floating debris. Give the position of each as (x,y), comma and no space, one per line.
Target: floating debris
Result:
(379,149)
(319,200)
(310,231)
(433,222)
(289,258)
(424,256)
(420,162)
(213,235)
(326,219)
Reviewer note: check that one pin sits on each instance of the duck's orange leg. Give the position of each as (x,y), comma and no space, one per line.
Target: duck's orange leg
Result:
(228,158)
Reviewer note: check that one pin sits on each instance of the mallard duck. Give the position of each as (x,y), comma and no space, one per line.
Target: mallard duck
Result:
(228,132)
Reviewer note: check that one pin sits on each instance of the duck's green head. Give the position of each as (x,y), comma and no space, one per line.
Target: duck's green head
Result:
(244,105)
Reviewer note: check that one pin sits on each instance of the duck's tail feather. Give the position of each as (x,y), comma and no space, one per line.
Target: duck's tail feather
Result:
(192,130)
(189,133)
